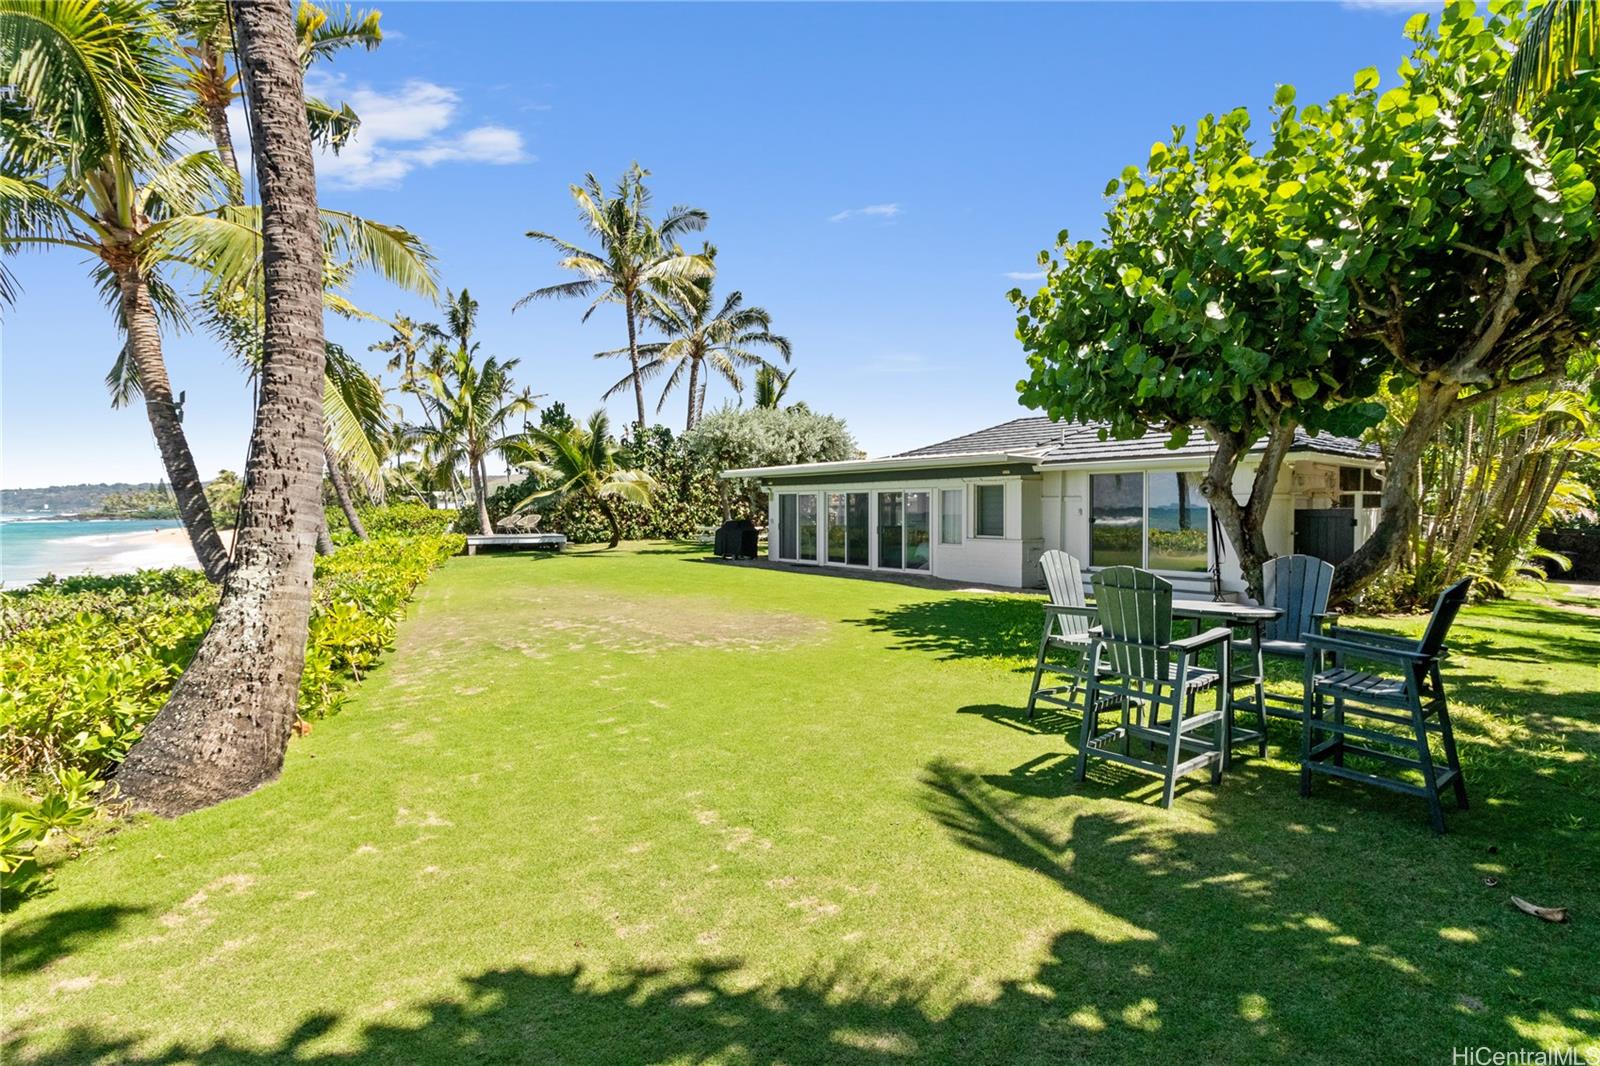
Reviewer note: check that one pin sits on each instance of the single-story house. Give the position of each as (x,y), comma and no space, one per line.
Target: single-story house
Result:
(984,507)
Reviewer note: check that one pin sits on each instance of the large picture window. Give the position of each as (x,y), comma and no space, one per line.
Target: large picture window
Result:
(989,510)
(1158,521)
(1179,522)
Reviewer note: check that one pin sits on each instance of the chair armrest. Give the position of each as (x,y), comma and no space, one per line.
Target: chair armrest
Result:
(1217,635)
(1359,636)
(1080,612)
(1406,656)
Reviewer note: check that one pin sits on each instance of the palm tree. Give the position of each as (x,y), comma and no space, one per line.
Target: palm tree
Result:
(703,343)
(1557,41)
(224,729)
(96,158)
(583,461)
(772,385)
(637,262)
(318,34)
(470,402)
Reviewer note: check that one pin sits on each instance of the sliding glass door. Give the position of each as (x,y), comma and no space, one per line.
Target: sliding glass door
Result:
(848,535)
(797,526)
(903,530)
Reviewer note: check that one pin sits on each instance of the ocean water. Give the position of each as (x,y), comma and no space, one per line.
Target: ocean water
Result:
(31,548)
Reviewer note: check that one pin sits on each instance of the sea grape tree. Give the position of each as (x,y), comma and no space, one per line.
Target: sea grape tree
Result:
(1402,237)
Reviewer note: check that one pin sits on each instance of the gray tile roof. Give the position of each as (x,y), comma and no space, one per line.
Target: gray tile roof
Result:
(1074,442)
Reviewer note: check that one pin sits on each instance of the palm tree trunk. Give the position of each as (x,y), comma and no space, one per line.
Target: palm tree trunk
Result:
(633,359)
(694,393)
(215,102)
(144,345)
(611,519)
(224,729)
(480,497)
(341,489)
(324,539)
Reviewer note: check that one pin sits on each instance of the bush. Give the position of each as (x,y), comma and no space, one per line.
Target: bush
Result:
(406,519)
(88,661)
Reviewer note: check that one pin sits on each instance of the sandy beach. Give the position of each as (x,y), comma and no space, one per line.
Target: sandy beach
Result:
(81,548)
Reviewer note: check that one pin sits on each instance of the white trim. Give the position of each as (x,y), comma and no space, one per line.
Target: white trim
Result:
(973,510)
(868,466)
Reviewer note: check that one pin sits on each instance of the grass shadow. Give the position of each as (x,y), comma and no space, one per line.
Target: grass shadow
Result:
(34,944)
(964,627)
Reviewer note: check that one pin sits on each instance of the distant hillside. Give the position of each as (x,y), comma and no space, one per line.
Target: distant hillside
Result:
(70,499)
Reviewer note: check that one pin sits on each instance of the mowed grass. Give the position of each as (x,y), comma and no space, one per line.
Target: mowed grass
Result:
(636,806)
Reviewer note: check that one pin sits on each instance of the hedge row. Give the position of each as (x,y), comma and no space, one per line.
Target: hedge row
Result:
(88,661)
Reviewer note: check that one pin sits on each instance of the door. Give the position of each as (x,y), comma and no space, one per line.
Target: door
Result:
(1327,533)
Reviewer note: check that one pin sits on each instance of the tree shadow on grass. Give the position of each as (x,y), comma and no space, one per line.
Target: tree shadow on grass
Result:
(964,627)
(33,944)
(1168,940)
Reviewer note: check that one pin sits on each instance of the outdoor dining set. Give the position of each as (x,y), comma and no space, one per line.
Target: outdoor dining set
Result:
(1148,701)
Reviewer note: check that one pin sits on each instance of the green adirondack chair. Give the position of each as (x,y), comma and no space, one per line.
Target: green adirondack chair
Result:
(1397,711)
(1154,681)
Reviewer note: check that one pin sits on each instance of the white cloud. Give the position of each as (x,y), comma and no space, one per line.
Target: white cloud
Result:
(883,211)
(1024,275)
(404,129)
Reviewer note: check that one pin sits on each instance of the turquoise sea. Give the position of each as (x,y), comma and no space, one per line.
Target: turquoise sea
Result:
(31,548)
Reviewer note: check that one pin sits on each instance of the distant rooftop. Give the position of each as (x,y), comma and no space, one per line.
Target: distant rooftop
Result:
(1075,442)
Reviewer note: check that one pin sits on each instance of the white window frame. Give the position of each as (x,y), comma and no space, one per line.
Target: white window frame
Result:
(1144,519)
(975,511)
(798,559)
(961,515)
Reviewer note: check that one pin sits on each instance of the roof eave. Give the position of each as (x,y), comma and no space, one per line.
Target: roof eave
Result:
(868,466)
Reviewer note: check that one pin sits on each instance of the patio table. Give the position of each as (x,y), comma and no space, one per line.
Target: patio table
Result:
(1234,616)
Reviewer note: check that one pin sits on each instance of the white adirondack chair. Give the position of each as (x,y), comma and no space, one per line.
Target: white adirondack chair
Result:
(1064,630)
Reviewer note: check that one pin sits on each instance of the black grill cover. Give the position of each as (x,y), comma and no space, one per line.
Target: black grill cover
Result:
(736,539)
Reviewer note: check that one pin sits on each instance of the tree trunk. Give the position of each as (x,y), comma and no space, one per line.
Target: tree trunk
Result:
(341,489)
(694,394)
(224,729)
(1399,501)
(324,540)
(633,359)
(480,497)
(144,345)
(1244,523)
(611,519)
(215,102)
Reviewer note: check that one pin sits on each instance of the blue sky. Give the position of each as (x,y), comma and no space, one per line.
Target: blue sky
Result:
(877,177)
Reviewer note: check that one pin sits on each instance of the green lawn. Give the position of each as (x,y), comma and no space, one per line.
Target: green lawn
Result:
(626,807)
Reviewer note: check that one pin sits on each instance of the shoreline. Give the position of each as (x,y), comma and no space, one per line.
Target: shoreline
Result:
(109,554)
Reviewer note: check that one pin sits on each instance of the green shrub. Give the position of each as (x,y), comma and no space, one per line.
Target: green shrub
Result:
(88,661)
(406,519)
(68,804)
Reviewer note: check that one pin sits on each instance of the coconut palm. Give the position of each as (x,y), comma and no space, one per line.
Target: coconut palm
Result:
(772,385)
(470,403)
(637,264)
(1558,40)
(702,342)
(97,157)
(205,25)
(224,729)
(582,461)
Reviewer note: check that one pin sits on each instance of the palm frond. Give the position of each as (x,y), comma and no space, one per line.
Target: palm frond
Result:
(1558,41)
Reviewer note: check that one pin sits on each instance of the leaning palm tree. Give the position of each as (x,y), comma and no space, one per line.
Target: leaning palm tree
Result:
(1558,41)
(582,461)
(470,402)
(703,342)
(637,261)
(96,155)
(224,729)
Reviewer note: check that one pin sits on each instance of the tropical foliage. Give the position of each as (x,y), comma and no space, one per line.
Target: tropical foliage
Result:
(731,439)
(704,341)
(583,462)
(89,660)
(637,262)
(1400,234)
